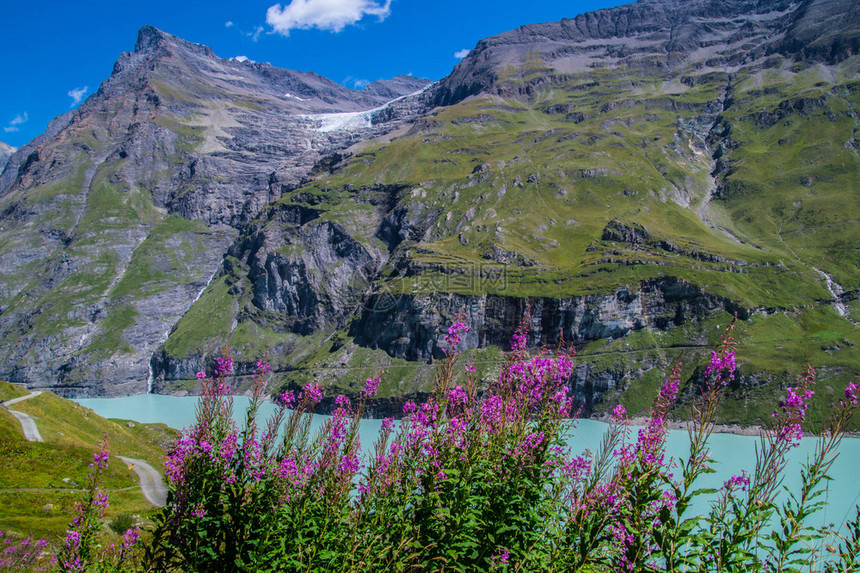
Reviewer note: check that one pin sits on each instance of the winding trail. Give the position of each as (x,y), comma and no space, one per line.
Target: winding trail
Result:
(151,483)
(28,424)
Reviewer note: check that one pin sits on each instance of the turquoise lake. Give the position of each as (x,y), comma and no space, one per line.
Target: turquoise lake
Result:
(734,453)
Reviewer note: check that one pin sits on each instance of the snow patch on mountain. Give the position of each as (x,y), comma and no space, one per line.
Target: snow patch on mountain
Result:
(349,121)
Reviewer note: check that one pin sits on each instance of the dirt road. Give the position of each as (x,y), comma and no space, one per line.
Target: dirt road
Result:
(151,483)
(28,424)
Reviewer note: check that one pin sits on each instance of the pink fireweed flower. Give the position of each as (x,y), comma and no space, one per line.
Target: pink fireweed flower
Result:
(387,424)
(349,464)
(130,538)
(286,399)
(371,386)
(73,538)
(619,414)
(313,392)
(518,341)
(502,557)
(201,375)
(722,366)
(794,408)
(852,392)
(455,335)
(457,396)
(577,468)
(100,460)
(740,482)
(225,366)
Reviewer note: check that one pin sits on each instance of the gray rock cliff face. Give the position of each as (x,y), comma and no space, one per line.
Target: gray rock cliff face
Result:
(413,327)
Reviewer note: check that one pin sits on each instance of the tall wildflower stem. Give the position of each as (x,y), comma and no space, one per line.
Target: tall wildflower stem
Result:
(79,552)
(737,522)
(717,375)
(792,540)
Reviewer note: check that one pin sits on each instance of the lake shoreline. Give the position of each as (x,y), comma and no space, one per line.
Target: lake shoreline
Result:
(681,425)
(733,429)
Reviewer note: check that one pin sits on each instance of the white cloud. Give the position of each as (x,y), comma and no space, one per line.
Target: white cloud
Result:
(77,95)
(16,121)
(332,15)
(461,54)
(360,84)
(228,24)
(243,59)
(255,35)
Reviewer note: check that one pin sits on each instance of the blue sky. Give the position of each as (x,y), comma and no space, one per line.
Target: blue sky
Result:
(57,53)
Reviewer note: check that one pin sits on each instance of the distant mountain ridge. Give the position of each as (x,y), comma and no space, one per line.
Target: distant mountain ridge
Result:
(723,34)
(633,176)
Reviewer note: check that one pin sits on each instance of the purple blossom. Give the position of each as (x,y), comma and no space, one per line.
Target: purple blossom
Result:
(130,537)
(722,366)
(518,341)
(457,396)
(313,393)
(286,399)
(794,406)
(852,392)
(263,368)
(225,366)
(740,482)
(455,335)
(502,557)
(371,386)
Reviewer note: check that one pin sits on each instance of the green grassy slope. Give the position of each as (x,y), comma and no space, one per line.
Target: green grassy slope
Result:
(40,482)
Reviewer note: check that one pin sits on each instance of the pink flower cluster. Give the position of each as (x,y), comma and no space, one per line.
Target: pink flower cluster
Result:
(722,366)
(852,392)
(313,393)
(371,387)
(794,406)
(455,335)
(740,482)
(24,555)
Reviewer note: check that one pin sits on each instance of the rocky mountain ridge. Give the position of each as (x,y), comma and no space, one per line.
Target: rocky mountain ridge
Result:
(666,34)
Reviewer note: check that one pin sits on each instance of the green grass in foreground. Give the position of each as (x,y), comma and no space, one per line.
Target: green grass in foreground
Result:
(39,482)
